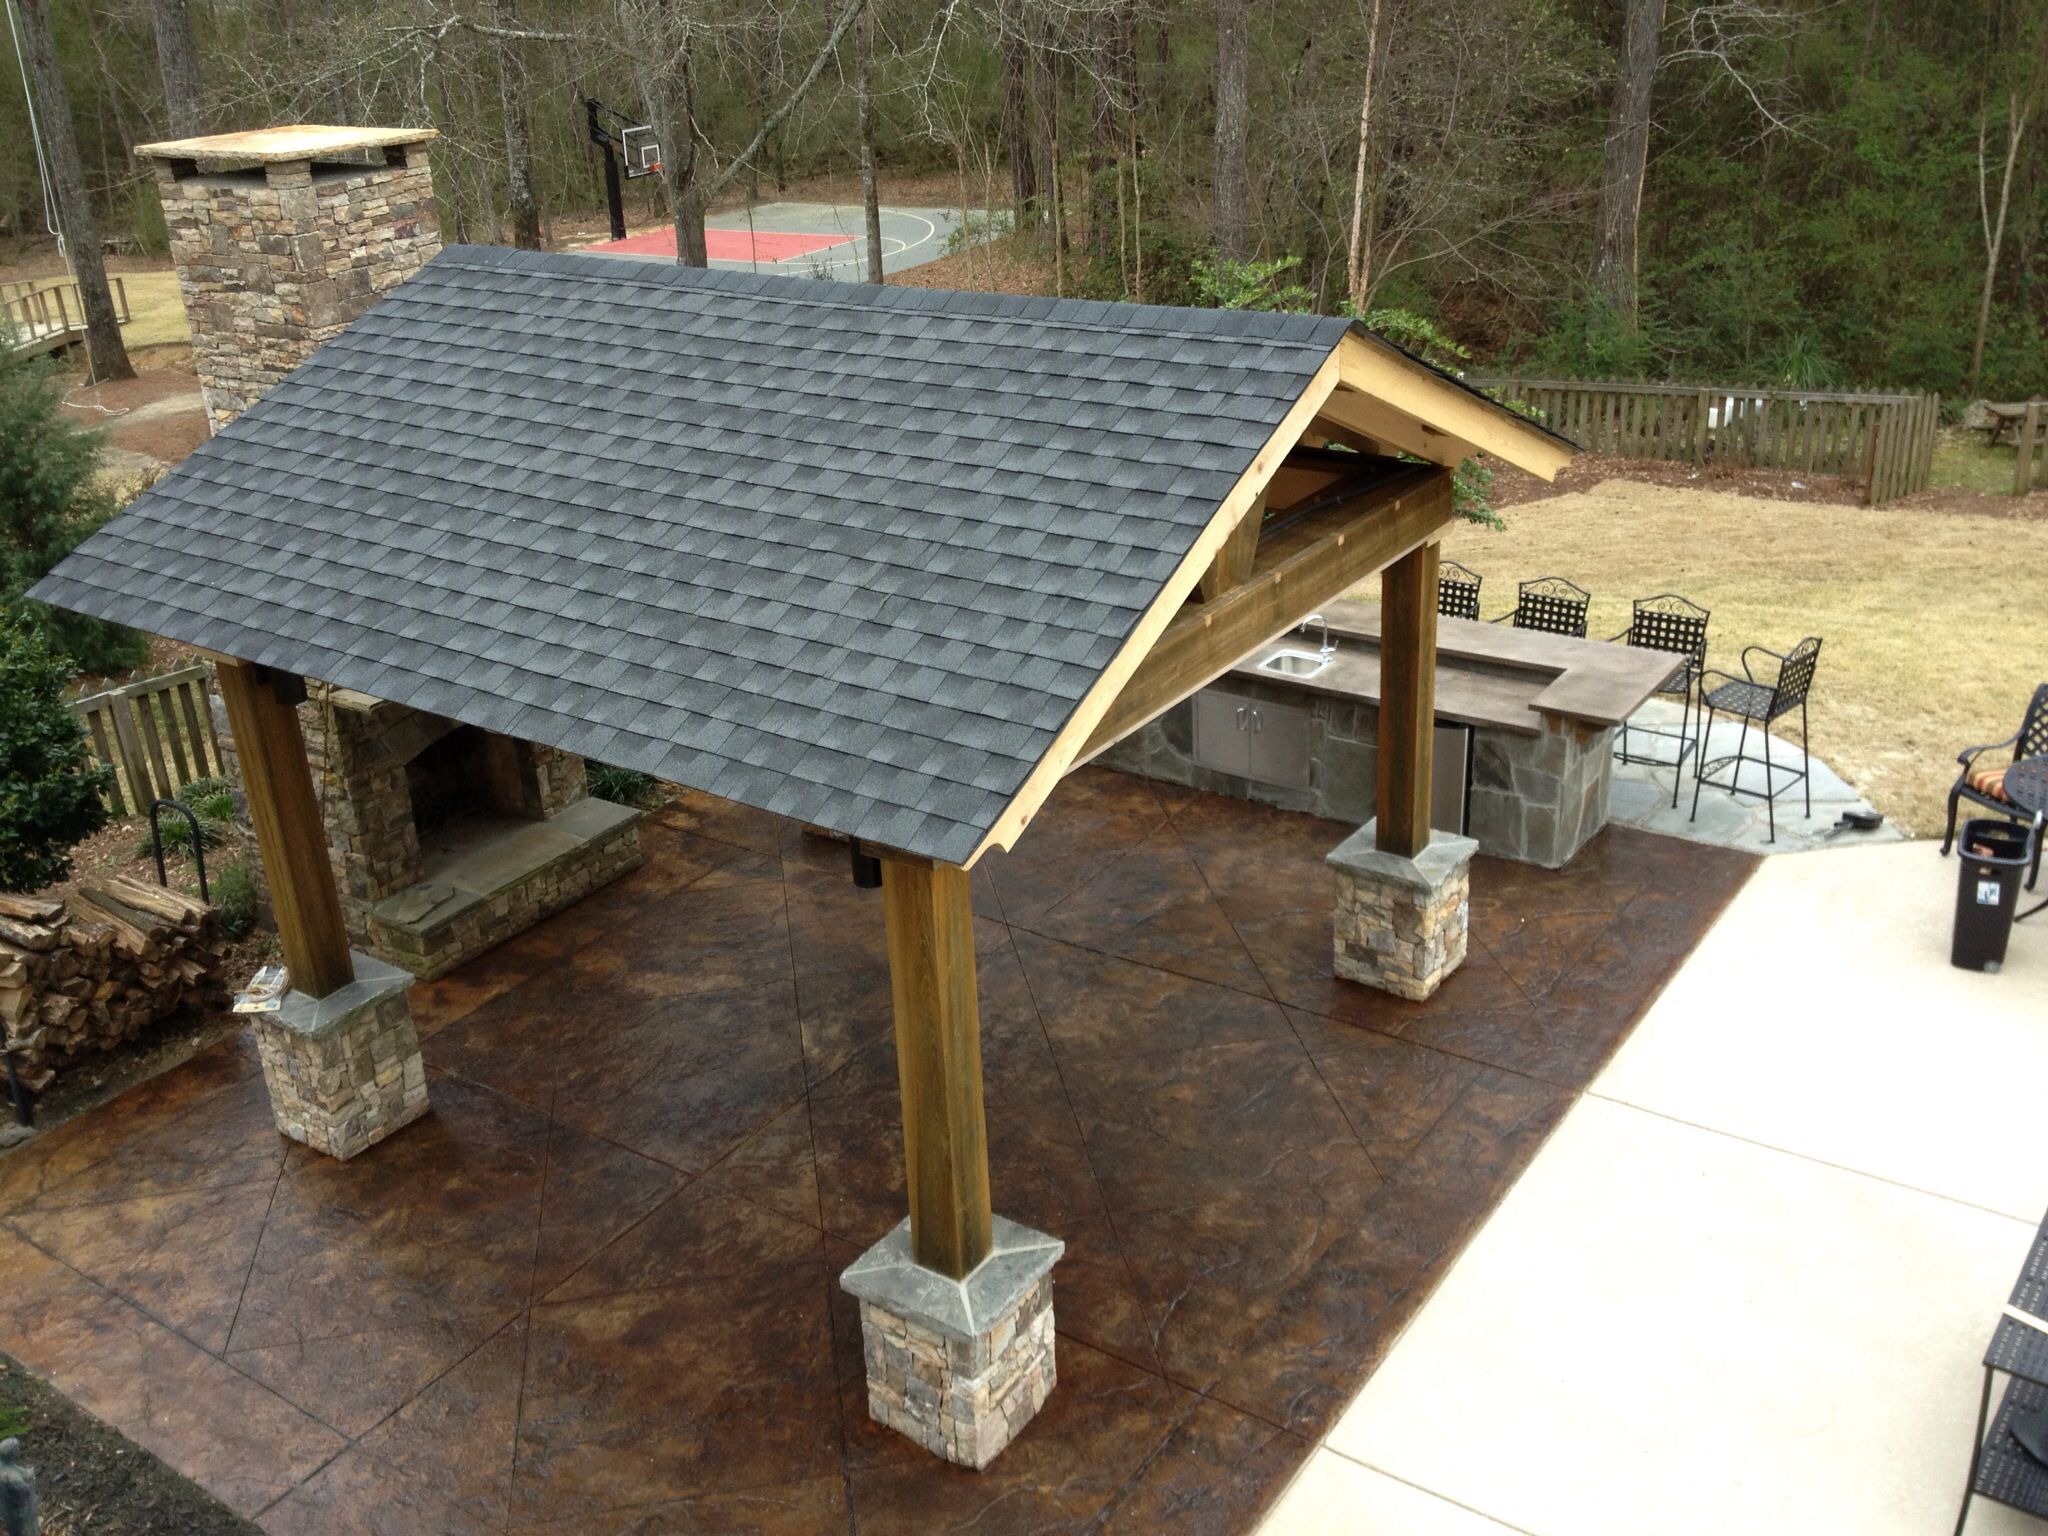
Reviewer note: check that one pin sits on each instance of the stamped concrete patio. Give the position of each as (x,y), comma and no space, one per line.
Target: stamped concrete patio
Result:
(596,1291)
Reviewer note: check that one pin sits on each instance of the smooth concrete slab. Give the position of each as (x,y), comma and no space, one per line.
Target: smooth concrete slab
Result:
(910,237)
(1667,1329)
(1335,1496)
(1821,1016)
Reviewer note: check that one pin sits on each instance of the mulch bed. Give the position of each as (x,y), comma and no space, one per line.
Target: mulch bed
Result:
(89,1479)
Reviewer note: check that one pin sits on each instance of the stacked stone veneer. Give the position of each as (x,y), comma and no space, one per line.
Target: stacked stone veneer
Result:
(1401,923)
(275,260)
(1536,798)
(959,1366)
(344,1071)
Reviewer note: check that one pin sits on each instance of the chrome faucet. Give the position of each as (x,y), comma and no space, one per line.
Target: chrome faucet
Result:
(1329,647)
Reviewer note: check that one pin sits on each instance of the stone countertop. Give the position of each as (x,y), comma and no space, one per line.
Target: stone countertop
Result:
(1491,676)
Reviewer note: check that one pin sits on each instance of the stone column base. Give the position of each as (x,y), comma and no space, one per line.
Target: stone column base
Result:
(344,1071)
(959,1366)
(1401,922)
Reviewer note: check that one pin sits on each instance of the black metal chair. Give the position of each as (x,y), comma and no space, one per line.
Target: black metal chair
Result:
(1457,591)
(1760,703)
(1981,786)
(1668,622)
(1551,604)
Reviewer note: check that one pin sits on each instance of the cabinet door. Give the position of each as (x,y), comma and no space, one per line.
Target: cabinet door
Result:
(1222,740)
(1277,738)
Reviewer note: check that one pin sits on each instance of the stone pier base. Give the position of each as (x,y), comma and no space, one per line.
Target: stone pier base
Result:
(959,1366)
(1401,922)
(344,1071)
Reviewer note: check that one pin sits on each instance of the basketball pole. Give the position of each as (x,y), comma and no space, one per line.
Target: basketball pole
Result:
(614,194)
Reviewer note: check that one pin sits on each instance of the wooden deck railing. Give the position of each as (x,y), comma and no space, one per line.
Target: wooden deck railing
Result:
(1885,441)
(156,734)
(41,309)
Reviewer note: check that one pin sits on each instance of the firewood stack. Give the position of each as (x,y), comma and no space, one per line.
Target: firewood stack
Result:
(89,974)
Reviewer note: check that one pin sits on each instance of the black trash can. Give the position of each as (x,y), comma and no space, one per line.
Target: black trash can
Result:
(1994,857)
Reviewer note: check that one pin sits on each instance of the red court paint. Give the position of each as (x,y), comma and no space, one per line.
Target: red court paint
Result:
(727,244)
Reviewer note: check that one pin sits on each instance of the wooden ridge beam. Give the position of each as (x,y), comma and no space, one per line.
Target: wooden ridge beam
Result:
(1379,527)
(1381,386)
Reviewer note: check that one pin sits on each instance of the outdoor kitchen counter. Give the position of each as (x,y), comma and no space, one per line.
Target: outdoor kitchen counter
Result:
(1541,709)
(1489,676)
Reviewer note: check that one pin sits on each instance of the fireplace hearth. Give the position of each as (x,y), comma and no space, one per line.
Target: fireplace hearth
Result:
(448,839)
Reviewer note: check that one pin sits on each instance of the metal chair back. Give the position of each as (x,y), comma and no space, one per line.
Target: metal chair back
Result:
(2033,739)
(1552,604)
(1668,622)
(1457,591)
(1795,676)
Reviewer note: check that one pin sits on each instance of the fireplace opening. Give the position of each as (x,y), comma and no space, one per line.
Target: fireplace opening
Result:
(469,773)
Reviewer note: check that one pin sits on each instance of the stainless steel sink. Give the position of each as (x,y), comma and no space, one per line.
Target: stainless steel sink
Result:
(1294,663)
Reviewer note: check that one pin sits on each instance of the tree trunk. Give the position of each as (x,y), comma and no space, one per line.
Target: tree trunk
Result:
(1358,268)
(515,97)
(1233,128)
(1993,222)
(1115,83)
(1024,191)
(870,193)
(81,230)
(177,58)
(665,83)
(1625,157)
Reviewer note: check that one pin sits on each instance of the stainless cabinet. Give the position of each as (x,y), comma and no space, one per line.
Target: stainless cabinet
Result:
(1252,738)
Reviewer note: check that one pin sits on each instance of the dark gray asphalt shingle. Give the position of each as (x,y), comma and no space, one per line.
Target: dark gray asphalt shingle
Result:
(851,553)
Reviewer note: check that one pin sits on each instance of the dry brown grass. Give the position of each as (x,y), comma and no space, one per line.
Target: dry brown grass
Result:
(1935,625)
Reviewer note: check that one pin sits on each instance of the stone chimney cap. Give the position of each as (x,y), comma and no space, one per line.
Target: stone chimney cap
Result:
(291,141)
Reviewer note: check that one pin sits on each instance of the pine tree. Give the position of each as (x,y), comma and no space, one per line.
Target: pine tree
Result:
(50,787)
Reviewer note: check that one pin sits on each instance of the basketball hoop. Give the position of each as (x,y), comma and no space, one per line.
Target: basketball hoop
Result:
(640,151)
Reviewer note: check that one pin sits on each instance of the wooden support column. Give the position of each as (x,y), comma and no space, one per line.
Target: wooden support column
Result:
(1407,699)
(1232,566)
(289,833)
(938,1061)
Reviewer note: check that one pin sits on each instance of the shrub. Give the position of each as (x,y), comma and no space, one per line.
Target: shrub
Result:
(49,502)
(49,786)
(234,892)
(212,804)
(210,799)
(1225,284)
(621,786)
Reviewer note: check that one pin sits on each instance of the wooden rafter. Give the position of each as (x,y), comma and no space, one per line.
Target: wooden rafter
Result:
(1390,397)
(1323,557)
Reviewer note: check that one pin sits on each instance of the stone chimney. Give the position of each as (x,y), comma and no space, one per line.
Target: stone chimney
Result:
(282,236)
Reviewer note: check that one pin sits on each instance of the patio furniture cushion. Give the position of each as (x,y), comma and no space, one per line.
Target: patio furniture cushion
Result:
(1990,781)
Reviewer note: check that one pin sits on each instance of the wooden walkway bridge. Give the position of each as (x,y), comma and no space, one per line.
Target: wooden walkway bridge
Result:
(45,314)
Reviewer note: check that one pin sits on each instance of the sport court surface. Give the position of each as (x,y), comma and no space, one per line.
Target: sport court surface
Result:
(596,1290)
(805,239)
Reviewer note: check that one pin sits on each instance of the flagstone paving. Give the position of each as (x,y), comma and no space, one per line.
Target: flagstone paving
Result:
(595,1291)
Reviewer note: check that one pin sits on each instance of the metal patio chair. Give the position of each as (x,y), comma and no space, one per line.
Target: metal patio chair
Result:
(1551,604)
(1668,622)
(1457,591)
(1985,785)
(1760,703)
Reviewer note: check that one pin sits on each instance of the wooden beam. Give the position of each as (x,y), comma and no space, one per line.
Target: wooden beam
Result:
(289,834)
(1326,429)
(1233,563)
(1407,729)
(938,1061)
(1359,537)
(1373,369)
(1386,423)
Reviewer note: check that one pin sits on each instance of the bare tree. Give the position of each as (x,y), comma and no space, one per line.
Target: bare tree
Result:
(80,228)
(1017,141)
(1624,157)
(1357,267)
(864,85)
(177,58)
(2021,103)
(1233,129)
(514,95)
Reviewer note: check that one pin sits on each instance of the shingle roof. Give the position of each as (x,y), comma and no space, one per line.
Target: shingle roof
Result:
(848,554)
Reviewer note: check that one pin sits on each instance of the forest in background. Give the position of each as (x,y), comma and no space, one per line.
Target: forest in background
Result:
(1809,193)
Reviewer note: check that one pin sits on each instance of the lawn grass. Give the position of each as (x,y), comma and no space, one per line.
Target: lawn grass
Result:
(1963,460)
(159,314)
(1935,625)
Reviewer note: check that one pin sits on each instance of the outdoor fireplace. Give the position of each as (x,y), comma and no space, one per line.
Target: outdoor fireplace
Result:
(448,839)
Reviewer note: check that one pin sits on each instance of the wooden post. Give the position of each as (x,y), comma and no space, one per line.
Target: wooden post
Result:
(289,834)
(938,1061)
(2023,468)
(1407,699)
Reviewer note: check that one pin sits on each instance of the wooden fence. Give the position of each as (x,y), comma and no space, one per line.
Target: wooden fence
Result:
(2030,468)
(1884,441)
(157,735)
(46,312)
